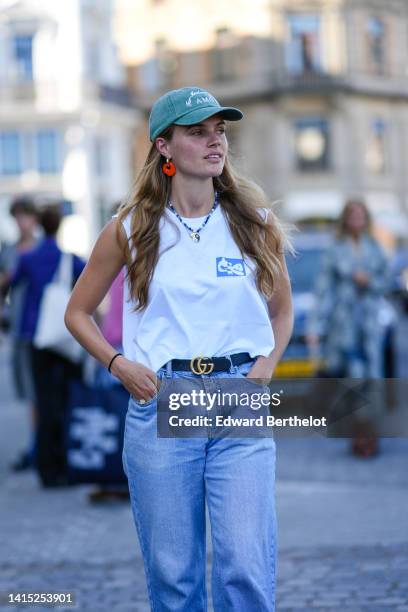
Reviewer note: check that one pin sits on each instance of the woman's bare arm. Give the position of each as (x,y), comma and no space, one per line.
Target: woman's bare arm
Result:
(106,261)
(280,309)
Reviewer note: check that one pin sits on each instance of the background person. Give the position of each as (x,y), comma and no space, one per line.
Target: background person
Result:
(111,327)
(51,371)
(24,211)
(206,274)
(349,290)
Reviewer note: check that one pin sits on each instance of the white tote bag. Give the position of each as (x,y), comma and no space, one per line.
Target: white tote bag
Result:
(51,331)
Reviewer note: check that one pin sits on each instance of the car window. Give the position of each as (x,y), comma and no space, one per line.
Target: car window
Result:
(304,268)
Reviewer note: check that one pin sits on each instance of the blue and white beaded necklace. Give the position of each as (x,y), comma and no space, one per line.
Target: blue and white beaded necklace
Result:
(194,233)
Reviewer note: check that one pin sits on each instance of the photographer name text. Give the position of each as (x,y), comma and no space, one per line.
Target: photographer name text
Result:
(259,421)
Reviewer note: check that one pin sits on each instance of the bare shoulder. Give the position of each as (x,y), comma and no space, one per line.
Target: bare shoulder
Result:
(115,229)
(112,240)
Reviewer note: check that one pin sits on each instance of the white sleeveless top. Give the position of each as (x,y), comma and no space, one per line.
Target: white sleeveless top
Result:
(202,299)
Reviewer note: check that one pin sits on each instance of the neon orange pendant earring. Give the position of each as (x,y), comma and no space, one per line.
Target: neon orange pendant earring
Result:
(169,168)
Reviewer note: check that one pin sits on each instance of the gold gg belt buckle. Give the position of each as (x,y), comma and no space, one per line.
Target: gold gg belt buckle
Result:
(198,367)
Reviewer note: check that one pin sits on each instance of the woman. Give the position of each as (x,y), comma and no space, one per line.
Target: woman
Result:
(349,290)
(51,372)
(24,211)
(183,237)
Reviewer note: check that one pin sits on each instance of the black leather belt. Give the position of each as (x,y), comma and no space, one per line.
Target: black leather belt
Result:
(206,365)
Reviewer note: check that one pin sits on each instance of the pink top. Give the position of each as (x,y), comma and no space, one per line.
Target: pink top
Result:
(112,322)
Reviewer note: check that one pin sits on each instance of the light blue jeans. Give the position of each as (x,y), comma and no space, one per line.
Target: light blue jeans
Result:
(169,481)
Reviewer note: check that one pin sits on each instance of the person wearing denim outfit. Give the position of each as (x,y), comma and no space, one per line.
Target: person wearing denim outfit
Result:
(169,481)
(206,276)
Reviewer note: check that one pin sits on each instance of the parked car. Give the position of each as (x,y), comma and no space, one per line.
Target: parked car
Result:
(298,361)
(399,270)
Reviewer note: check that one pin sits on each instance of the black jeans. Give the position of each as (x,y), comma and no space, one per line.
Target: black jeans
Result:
(52,374)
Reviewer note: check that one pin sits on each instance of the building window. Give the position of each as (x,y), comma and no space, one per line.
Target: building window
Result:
(376,150)
(23,56)
(103,211)
(101,155)
(93,56)
(10,153)
(224,55)
(376,43)
(148,75)
(232,132)
(158,71)
(312,143)
(166,61)
(303,48)
(47,151)
(222,37)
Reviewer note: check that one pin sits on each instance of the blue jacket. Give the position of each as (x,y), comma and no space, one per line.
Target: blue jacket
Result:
(36,268)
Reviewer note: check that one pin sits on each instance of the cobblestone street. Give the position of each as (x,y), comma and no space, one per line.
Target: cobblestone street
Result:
(343,534)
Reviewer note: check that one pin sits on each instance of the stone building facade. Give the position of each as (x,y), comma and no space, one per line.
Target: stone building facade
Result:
(323,85)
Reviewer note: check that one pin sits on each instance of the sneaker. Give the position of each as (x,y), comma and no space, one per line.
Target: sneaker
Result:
(107,495)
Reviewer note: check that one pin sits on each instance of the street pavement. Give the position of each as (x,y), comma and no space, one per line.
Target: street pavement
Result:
(342,529)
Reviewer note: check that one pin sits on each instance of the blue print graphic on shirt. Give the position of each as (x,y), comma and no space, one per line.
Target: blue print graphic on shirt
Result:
(228,266)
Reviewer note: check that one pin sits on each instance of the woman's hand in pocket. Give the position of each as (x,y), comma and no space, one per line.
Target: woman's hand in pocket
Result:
(141,382)
(262,370)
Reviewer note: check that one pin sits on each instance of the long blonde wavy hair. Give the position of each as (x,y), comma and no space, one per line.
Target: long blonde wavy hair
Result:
(263,241)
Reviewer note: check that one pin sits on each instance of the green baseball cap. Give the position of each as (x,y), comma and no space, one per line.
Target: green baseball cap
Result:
(186,106)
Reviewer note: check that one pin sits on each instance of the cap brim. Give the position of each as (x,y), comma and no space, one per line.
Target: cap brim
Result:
(200,114)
